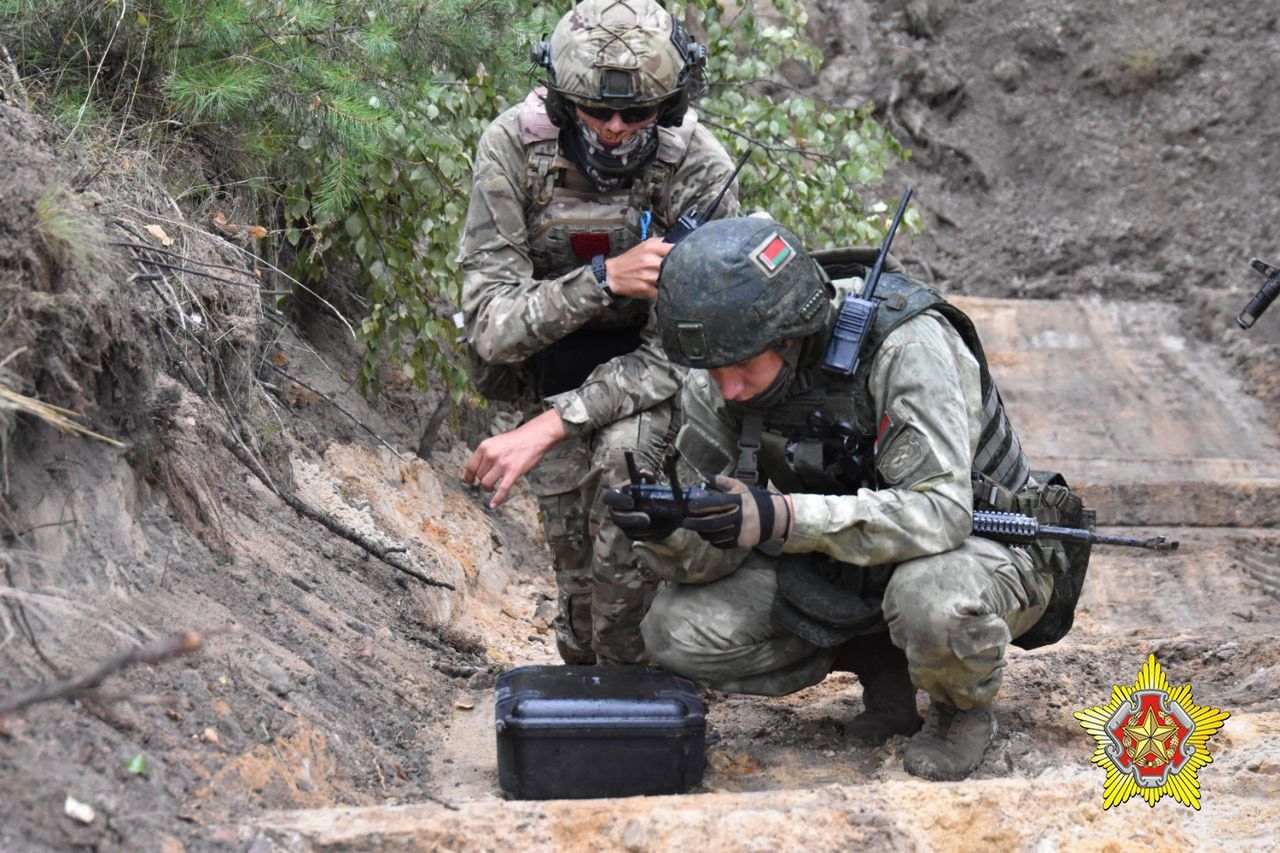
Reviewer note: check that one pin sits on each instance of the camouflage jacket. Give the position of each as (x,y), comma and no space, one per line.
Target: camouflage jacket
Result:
(514,306)
(925,383)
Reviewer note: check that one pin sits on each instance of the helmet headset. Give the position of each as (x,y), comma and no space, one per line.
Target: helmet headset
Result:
(617,85)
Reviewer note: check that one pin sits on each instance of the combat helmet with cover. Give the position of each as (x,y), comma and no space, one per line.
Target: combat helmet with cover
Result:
(737,287)
(620,54)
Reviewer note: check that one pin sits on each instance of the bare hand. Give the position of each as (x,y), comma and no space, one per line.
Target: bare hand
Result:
(503,459)
(634,273)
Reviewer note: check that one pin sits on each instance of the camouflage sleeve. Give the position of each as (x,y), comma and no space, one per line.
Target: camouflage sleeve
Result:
(706,445)
(701,174)
(928,403)
(509,314)
(620,387)
(644,378)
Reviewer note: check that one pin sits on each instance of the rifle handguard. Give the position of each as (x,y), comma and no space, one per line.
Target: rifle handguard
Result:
(1014,529)
(1261,300)
(1008,527)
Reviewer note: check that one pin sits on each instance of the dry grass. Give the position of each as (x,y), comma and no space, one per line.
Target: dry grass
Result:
(72,238)
(55,416)
(1150,63)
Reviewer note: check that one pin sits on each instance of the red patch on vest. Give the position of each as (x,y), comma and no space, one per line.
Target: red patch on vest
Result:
(587,246)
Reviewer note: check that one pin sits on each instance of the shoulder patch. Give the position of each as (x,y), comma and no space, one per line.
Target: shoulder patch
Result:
(908,459)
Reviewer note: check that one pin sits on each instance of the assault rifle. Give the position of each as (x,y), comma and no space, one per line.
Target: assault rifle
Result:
(1014,529)
(1261,300)
(696,219)
(671,504)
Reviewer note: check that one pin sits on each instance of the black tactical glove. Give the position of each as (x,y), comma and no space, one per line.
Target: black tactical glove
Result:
(736,515)
(636,525)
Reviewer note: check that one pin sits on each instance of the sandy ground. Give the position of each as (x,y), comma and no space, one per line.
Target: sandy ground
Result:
(785,776)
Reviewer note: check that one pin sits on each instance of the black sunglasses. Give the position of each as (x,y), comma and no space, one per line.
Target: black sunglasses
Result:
(630,115)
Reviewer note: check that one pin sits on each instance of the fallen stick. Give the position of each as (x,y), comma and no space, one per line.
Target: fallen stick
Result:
(179,256)
(382,552)
(183,643)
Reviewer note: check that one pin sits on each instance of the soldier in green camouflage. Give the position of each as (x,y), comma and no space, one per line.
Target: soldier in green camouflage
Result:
(572,192)
(836,532)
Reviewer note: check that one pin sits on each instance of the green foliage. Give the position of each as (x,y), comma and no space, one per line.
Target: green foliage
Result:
(819,156)
(355,124)
(404,227)
(351,123)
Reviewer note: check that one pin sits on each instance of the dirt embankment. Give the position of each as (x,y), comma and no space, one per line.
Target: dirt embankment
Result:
(1115,149)
(325,672)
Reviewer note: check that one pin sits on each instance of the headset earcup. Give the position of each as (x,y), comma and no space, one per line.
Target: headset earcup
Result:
(689,84)
(554,101)
(557,111)
(672,112)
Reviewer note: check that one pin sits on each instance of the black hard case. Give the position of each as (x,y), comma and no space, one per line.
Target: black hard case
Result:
(574,732)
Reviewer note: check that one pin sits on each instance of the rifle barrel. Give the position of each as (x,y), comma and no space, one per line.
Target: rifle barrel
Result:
(1075,534)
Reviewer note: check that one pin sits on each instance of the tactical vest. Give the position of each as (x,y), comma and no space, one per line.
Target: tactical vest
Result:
(569,222)
(823,438)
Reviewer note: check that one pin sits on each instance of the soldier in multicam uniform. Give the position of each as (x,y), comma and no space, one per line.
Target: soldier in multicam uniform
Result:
(824,560)
(572,192)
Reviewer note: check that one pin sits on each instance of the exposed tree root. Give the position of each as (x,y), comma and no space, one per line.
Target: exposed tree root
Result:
(183,643)
(382,552)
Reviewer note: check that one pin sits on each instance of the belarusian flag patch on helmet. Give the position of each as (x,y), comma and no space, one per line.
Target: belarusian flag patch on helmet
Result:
(773,254)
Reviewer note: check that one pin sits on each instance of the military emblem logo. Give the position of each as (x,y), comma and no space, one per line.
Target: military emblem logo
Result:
(1151,739)
(773,254)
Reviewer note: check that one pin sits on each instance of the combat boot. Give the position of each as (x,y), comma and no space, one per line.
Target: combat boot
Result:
(888,696)
(574,649)
(952,743)
(573,654)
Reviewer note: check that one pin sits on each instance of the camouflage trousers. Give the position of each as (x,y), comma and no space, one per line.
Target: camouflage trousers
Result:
(953,614)
(603,591)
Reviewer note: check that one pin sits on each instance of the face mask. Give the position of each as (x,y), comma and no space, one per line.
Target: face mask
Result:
(609,168)
(624,153)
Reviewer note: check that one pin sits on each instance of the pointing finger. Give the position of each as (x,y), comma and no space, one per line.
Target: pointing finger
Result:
(501,494)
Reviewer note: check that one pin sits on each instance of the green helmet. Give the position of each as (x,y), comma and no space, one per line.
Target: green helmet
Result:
(736,287)
(619,55)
